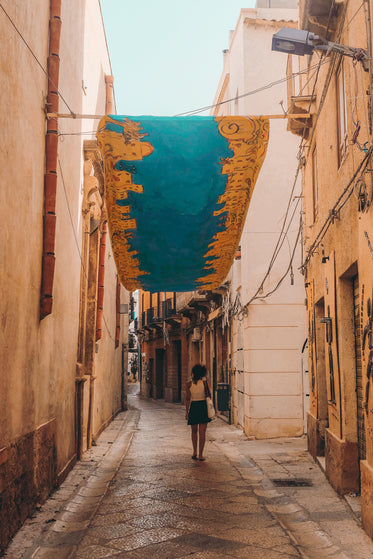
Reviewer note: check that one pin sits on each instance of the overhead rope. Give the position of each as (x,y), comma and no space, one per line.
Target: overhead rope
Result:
(36,59)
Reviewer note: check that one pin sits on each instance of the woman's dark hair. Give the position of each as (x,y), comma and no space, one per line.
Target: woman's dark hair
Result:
(198,372)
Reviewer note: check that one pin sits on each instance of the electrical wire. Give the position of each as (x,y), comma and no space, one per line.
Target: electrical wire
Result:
(253,92)
(80,133)
(244,309)
(282,236)
(249,93)
(327,80)
(92,133)
(209,107)
(336,208)
(77,242)
(355,14)
(290,266)
(36,58)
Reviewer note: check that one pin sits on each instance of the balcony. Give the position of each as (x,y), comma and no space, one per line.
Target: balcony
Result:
(200,301)
(147,319)
(298,100)
(167,309)
(169,314)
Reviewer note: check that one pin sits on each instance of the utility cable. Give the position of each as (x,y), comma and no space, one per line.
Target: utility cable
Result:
(253,92)
(282,237)
(355,14)
(290,266)
(336,208)
(36,58)
(76,241)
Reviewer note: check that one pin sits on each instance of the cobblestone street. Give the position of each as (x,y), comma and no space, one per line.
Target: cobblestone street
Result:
(138,494)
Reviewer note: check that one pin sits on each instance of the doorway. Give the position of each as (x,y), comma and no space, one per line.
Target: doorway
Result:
(177,360)
(159,373)
(359,371)
(318,376)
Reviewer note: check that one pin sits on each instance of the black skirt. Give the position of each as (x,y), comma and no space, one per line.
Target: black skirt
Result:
(198,413)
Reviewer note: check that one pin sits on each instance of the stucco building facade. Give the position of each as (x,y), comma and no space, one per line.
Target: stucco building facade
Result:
(335,158)
(64,331)
(268,315)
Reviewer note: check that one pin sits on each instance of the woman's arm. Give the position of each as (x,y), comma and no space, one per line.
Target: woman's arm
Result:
(187,399)
(208,388)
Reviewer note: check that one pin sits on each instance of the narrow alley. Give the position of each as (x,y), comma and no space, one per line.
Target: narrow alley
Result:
(137,494)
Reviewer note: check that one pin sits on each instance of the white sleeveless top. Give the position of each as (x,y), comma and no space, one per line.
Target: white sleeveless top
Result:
(197,391)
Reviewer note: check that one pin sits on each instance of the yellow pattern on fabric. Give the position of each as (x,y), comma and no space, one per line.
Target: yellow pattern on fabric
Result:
(115,147)
(248,139)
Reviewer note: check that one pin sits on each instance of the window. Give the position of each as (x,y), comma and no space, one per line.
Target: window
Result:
(314,184)
(341,114)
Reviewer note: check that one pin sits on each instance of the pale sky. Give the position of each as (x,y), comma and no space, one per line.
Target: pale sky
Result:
(166,55)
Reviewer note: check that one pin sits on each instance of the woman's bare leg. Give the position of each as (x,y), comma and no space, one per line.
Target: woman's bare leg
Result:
(194,438)
(202,438)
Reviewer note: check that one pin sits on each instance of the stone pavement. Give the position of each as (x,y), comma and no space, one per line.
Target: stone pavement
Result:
(138,495)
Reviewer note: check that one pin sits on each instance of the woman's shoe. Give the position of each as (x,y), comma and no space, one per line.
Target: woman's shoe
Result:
(194,457)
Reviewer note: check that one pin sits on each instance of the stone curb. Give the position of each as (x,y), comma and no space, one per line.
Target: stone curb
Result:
(308,537)
(77,503)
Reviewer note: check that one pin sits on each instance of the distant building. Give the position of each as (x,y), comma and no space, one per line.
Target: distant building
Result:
(64,338)
(269,374)
(176,331)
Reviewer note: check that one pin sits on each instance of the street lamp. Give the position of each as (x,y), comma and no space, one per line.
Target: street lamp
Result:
(301,42)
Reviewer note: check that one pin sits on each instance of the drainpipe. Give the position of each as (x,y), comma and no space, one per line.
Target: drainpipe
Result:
(101,287)
(109,97)
(368,21)
(123,398)
(50,176)
(117,326)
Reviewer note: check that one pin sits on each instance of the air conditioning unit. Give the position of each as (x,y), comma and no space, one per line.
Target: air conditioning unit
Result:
(197,336)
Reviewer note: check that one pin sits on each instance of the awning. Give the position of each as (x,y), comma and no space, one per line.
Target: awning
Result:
(177,192)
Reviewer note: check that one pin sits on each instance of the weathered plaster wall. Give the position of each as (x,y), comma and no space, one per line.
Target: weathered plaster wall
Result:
(38,359)
(22,92)
(340,263)
(108,359)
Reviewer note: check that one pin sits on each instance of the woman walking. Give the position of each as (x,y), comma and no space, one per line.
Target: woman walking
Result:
(196,409)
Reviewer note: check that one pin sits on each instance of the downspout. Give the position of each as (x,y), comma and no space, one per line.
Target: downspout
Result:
(123,398)
(101,286)
(109,97)
(100,281)
(368,21)
(50,176)
(117,328)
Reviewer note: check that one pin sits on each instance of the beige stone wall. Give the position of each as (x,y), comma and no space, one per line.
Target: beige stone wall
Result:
(22,94)
(339,261)
(38,372)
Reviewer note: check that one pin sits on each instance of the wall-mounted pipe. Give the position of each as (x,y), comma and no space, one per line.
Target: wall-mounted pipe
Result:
(50,176)
(117,328)
(109,101)
(101,282)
